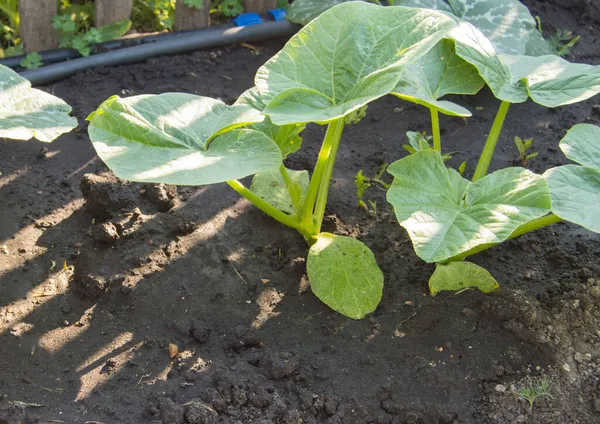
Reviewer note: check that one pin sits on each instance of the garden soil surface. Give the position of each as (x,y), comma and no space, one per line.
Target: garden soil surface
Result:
(102,280)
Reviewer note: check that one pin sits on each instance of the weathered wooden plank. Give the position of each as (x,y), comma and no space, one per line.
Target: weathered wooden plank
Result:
(35,26)
(259,6)
(191,17)
(111,11)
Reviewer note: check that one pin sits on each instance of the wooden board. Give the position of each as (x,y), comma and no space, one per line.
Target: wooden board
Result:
(111,11)
(259,6)
(36,29)
(191,17)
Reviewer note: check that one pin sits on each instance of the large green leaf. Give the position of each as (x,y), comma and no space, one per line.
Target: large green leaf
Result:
(506,23)
(446,215)
(455,276)
(350,55)
(436,74)
(271,187)
(343,273)
(26,112)
(548,80)
(576,189)
(304,11)
(180,139)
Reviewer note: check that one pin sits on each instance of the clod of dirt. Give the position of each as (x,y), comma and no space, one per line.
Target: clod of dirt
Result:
(105,233)
(170,412)
(200,413)
(245,338)
(183,228)
(106,195)
(163,196)
(200,333)
(92,286)
(259,397)
(278,367)
(91,280)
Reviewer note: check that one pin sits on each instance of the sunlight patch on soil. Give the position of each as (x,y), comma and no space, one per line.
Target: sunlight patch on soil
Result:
(34,231)
(5,179)
(54,340)
(267,302)
(106,362)
(12,315)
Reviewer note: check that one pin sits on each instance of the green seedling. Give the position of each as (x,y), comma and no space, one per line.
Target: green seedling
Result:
(523,147)
(32,61)
(535,390)
(561,42)
(450,218)
(362,183)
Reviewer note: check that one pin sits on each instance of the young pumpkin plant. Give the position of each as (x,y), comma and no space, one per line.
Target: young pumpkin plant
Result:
(349,56)
(449,217)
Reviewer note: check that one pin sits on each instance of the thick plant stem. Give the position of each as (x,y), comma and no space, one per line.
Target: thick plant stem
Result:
(326,182)
(490,144)
(330,143)
(530,226)
(435,129)
(267,208)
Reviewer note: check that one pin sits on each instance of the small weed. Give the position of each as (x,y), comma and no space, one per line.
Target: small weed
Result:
(363,183)
(535,390)
(523,146)
(562,41)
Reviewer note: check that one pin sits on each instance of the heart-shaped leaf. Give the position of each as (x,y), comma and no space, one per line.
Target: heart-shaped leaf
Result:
(576,189)
(549,80)
(506,23)
(181,139)
(446,215)
(271,186)
(455,276)
(436,74)
(343,273)
(26,112)
(350,55)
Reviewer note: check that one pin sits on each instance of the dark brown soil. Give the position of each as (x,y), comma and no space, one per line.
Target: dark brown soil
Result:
(93,292)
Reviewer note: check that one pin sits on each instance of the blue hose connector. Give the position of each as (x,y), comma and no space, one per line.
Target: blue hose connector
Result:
(278,14)
(247,19)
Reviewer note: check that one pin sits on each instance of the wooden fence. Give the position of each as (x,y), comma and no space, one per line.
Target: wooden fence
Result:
(38,34)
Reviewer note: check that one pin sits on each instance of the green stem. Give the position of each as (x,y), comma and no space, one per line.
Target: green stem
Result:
(330,143)
(267,208)
(435,129)
(326,181)
(385,185)
(490,144)
(528,227)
